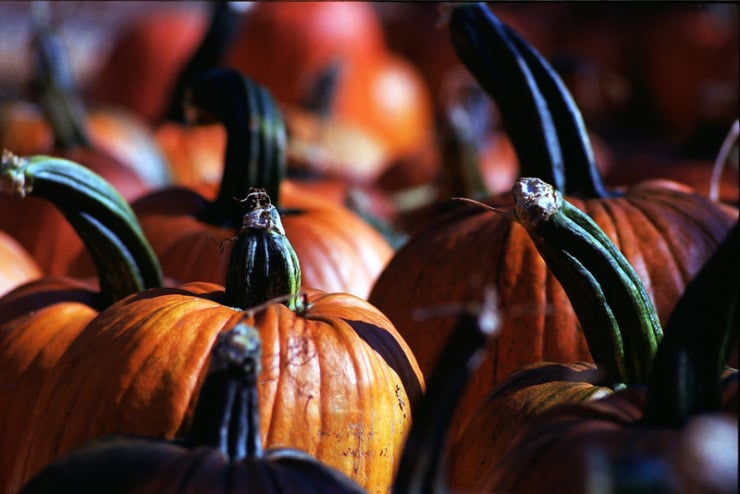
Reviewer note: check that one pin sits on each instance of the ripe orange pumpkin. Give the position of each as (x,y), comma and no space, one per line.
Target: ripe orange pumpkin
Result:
(339,251)
(223,446)
(333,364)
(140,70)
(285,45)
(18,266)
(40,318)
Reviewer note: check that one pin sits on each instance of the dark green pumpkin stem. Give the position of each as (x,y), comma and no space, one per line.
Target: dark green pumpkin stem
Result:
(543,122)
(422,465)
(224,23)
(53,84)
(618,318)
(263,265)
(255,139)
(227,414)
(481,43)
(581,174)
(699,337)
(104,221)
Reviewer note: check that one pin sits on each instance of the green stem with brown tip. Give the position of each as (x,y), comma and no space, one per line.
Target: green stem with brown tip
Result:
(617,315)
(104,221)
(263,265)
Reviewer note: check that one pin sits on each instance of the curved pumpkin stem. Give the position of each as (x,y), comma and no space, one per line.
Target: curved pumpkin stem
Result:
(263,265)
(700,335)
(542,120)
(618,318)
(223,24)
(481,43)
(104,221)
(54,85)
(227,414)
(422,467)
(255,139)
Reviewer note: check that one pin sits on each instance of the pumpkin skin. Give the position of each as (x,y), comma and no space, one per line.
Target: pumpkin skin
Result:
(340,359)
(567,435)
(303,38)
(338,250)
(224,443)
(40,318)
(140,70)
(19,266)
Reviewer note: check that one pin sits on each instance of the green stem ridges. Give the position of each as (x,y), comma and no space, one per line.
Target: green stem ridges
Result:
(542,120)
(422,464)
(227,414)
(104,221)
(618,318)
(54,85)
(263,265)
(255,139)
(700,335)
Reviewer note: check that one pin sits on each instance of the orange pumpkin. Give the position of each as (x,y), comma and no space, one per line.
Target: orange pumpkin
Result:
(18,266)
(337,380)
(223,447)
(40,318)
(339,251)
(140,71)
(285,45)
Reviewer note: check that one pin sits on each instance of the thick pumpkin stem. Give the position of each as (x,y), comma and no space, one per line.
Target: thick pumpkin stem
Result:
(255,139)
(263,265)
(104,221)
(224,23)
(227,414)
(54,86)
(422,466)
(618,318)
(701,333)
(543,122)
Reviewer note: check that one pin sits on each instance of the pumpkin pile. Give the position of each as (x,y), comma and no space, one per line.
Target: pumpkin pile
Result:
(372,247)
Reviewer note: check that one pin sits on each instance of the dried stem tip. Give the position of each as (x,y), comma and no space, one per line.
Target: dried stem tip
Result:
(12,175)
(261,214)
(536,201)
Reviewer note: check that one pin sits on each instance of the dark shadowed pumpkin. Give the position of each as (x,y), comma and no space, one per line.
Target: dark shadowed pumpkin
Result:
(673,435)
(664,233)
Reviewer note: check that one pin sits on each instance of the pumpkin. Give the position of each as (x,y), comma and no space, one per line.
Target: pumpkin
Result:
(672,424)
(65,130)
(140,69)
(338,382)
(18,266)
(283,46)
(665,234)
(222,452)
(338,250)
(59,121)
(613,309)
(40,318)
